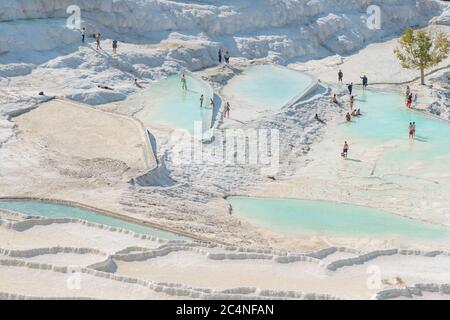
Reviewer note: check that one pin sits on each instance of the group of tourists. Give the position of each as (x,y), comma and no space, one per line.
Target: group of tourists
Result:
(353,111)
(184,87)
(97,36)
(410,97)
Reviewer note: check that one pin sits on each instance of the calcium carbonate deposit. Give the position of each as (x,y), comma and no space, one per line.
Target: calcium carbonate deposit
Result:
(122,155)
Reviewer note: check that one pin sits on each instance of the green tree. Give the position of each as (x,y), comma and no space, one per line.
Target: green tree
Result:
(419,50)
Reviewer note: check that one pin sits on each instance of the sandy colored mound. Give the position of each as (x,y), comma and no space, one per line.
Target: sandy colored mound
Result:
(78,130)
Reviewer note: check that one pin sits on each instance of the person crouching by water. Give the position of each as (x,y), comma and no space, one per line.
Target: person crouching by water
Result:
(348,117)
(334,99)
(344,153)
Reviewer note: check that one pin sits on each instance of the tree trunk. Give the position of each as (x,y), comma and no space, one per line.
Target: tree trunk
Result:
(422,76)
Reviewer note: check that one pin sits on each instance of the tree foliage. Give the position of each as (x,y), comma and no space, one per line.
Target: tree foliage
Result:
(420,50)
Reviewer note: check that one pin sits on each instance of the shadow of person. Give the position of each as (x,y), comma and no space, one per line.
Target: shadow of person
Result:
(421,139)
(354,160)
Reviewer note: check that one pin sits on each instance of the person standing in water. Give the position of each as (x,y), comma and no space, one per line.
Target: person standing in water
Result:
(409,100)
(227,110)
(211,103)
(350,88)
(365,82)
(344,153)
(97,40)
(352,102)
(83,35)
(202,99)
(114,46)
(220,55)
(414,129)
(340,76)
(411,130)
(184,82)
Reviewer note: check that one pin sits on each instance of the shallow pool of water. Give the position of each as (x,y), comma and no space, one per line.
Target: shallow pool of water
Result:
(385,125)
(304,217)
(267,86)
(380,140)
(169,105)
(54,210)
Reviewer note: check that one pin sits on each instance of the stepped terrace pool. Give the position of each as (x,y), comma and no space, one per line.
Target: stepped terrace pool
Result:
(267,86)
(56,210)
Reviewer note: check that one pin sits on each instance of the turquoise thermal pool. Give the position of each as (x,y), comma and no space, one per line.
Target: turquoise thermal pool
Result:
(169,105)
(384,127)
(267,86)
(54,210)
(302,217)
(382,148)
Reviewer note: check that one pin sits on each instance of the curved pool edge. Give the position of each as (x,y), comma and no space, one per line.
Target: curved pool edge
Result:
(148,151)
(433,223)
(115,215)
(305,93)
(294,100)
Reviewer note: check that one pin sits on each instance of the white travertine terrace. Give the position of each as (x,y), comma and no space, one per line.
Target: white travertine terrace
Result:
(161,38)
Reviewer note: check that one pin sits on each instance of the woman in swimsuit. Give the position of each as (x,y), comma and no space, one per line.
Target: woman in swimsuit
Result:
(411,130)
